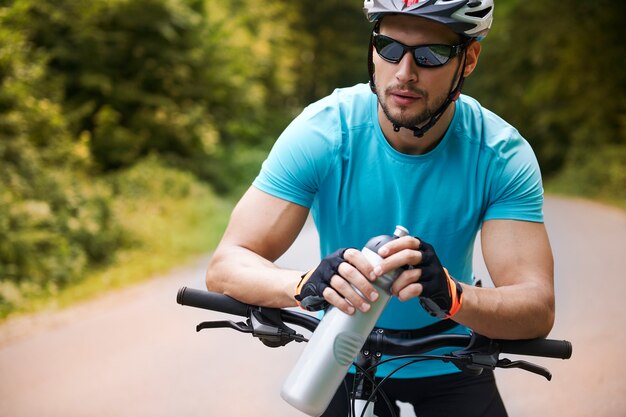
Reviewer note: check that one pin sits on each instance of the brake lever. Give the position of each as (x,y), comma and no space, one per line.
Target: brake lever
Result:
(240,326)
(527,366)
(264,324)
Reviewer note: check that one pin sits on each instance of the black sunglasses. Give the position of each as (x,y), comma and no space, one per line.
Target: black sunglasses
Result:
(428,56)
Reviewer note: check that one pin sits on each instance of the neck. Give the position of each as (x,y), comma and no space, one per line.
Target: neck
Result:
(404,140)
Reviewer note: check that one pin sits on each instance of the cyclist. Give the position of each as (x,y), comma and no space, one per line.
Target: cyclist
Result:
(406,149)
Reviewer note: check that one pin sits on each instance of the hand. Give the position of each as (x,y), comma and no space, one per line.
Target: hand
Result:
(340,279)
(440,294)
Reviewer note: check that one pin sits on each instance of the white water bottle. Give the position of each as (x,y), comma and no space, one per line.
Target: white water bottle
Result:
(325,361)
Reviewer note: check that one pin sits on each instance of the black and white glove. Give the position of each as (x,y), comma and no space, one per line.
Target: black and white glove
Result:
(442,295)
(312,285)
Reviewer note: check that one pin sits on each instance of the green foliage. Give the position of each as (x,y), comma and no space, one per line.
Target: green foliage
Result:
(182,81)
(554,69)
(599,174)
(148,196)
(129,72)
(332,41)
(167,216)
(52,224)
(150,179)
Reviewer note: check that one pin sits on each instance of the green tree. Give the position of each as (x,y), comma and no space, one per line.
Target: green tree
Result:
(135,74)
(51,225)
(333,39)
(198,82)
(555,70)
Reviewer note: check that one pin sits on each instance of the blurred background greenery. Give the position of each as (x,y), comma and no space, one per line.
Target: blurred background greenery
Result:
(129,127)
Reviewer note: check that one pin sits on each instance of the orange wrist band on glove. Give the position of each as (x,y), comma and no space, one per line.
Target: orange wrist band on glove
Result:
(456,294)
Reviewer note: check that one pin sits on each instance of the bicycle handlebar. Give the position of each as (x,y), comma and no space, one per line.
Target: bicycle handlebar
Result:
(559,349)
(211,301)
(548,348)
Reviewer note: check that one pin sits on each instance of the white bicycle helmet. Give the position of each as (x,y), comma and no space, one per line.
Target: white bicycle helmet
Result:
(471,18)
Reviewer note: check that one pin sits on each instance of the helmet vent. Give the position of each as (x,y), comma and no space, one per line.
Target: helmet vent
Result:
(479,13)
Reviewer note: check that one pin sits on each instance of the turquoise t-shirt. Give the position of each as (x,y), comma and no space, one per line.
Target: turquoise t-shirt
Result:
(334,159)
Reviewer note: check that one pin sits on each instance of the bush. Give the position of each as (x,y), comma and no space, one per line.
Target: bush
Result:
(151,179)
(82,237)
(599,173)
(54,223)
(158,205)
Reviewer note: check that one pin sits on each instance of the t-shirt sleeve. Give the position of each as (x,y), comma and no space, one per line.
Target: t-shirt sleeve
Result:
(301,157)
(517,190)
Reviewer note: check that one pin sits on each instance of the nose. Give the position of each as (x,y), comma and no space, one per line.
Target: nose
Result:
(406,69)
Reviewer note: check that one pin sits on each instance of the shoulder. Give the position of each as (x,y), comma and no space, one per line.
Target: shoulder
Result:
(313,145)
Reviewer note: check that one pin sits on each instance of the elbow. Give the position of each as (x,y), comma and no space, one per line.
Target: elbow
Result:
(209,280)
(211,277)
(547,314)
(550,316)
(544,327)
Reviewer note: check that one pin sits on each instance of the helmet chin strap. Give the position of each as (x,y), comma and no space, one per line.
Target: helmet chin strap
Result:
(419,132)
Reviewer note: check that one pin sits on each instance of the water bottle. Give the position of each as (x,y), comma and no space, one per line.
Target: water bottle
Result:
(325,361)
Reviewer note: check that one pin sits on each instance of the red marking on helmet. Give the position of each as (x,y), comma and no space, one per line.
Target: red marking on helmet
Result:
(411,2)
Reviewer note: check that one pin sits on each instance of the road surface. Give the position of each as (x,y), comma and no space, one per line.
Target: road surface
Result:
(136,353)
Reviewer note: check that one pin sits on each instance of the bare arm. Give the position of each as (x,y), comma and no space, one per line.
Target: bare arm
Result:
(519,259)
(261,229)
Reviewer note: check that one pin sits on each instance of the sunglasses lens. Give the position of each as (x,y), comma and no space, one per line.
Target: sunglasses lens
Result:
(432,55)
(425,55)
(388,48)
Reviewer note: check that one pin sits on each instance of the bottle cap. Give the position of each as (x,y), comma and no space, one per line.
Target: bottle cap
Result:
(401,231)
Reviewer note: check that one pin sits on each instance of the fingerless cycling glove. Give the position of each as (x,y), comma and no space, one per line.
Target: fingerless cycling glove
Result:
(442,295)
(311,286)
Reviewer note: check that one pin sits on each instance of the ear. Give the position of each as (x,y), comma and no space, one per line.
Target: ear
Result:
(473,52)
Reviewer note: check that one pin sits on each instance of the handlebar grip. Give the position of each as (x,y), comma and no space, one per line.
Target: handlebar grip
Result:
(211,301)
(560,349)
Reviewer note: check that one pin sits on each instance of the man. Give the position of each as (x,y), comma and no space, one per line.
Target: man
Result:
(415,153)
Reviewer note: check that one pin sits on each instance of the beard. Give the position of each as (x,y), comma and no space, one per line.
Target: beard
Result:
(405,117)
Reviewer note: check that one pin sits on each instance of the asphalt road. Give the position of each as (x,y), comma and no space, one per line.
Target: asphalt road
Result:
(136,353)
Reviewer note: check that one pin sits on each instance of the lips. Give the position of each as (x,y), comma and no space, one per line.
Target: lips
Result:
(405,93)
(404,98)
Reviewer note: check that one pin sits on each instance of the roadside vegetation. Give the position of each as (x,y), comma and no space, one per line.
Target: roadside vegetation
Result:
(129,127)
(156,218)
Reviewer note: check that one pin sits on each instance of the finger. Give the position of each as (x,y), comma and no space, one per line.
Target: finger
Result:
(410,291)
(398,260)
(356,278)
(338,301)
(356,258)
(405,279)
(348,292)
(397,245)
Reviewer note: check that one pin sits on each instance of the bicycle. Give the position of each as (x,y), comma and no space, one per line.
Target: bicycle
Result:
(476,353)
